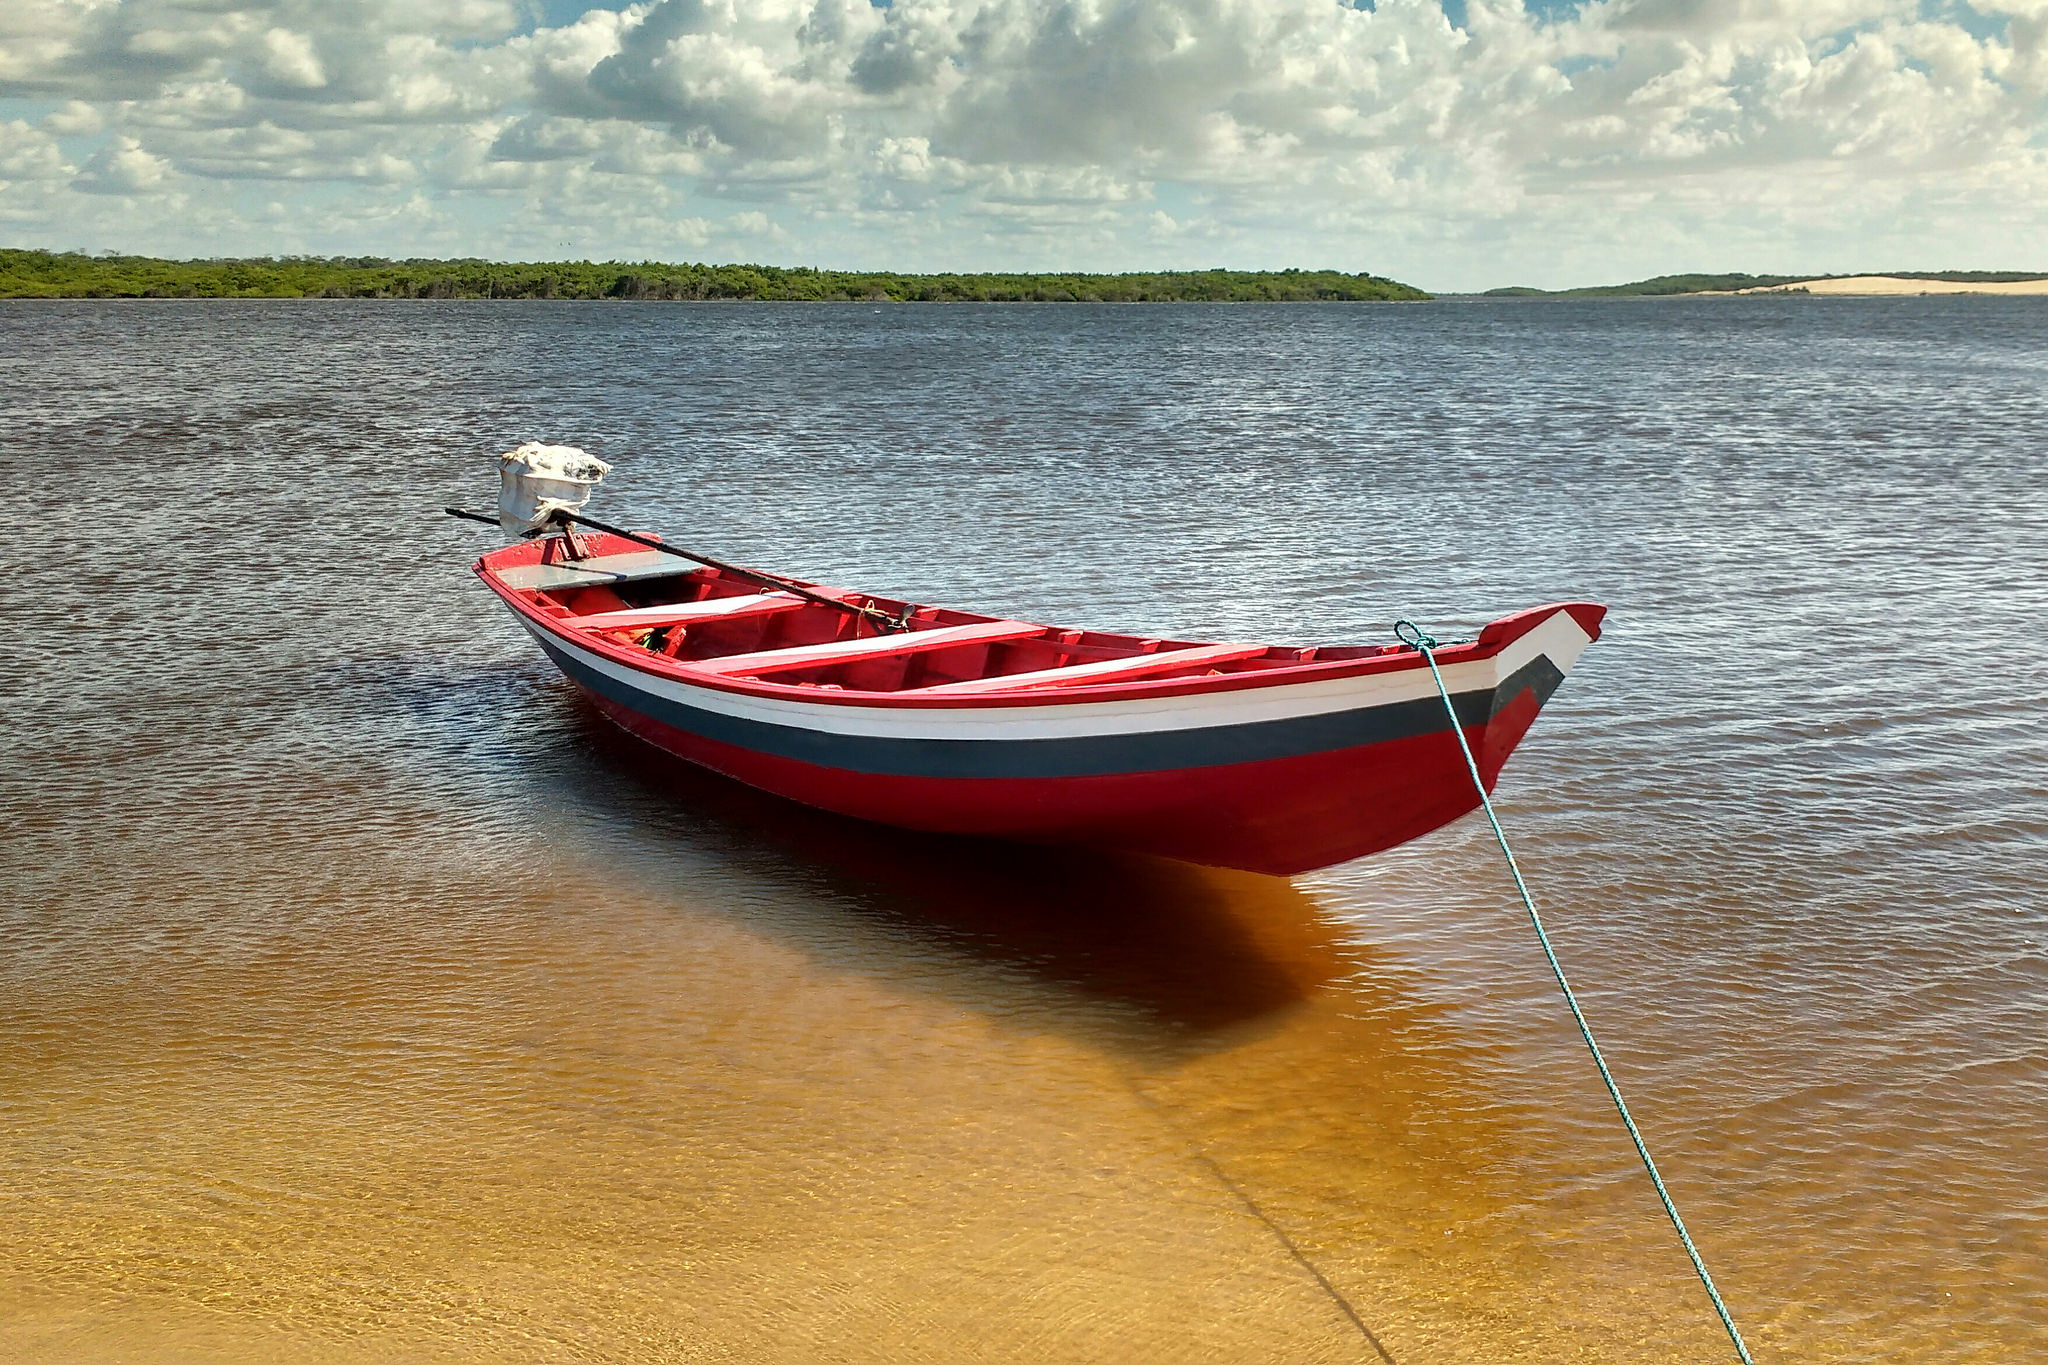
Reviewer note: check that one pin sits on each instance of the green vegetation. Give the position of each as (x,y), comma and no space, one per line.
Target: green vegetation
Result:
(46,275)
(1719,284)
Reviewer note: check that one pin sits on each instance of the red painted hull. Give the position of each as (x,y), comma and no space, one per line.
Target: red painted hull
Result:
(1280,816)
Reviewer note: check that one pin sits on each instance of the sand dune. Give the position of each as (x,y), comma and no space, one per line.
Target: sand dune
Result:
(1892,284)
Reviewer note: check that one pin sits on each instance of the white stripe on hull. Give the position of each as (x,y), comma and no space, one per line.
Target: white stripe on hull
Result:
(1559,637)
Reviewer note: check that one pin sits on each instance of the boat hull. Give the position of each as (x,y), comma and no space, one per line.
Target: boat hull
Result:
(1276,779)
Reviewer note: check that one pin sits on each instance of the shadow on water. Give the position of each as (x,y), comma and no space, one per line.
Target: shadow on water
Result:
(1184,953)
(1286,1055)
(1164,965)
(1205,986)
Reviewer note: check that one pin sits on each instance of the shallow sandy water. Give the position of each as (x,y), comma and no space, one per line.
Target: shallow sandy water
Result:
(363,997)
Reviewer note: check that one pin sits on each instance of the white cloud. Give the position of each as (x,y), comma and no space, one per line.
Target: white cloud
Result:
(904,158)
(290,60)
(1625,137)
(29,154)
(123,168)
(74,119)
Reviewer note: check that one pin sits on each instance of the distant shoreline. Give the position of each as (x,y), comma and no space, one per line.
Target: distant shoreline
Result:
(50,275)
(26,274)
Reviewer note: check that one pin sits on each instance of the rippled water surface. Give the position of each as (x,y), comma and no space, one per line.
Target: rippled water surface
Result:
(363,997)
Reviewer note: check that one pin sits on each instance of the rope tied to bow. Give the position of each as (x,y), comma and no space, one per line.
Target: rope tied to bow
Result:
(1413,635)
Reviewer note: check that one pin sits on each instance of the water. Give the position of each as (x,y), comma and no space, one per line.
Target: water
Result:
(363,997)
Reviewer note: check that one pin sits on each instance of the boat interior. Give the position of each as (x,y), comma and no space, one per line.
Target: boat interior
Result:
(710,623)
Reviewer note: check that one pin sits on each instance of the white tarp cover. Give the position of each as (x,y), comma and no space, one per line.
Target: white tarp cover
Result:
(539,479)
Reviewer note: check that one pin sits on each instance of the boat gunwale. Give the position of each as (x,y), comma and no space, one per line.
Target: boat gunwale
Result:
(1401,659)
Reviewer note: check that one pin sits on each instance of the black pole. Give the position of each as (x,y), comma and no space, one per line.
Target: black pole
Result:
(880,619)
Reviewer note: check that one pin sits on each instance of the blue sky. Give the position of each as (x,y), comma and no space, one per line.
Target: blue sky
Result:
(1458,145)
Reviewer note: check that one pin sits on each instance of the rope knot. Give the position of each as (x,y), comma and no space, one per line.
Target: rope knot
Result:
(1408,633)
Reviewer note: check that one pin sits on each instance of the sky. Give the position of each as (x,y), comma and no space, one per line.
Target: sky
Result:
(1453,144)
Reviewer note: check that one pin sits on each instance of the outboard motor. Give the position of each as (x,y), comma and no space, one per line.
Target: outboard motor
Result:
(541,480)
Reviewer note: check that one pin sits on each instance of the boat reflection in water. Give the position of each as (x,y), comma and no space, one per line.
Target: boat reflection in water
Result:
(1252,1037)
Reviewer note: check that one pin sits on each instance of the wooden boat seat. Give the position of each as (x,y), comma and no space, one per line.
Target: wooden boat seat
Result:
(873,647)
(1103,670)
(599,571)
(685,613)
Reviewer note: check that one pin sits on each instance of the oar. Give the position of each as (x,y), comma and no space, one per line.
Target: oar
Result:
(867,611)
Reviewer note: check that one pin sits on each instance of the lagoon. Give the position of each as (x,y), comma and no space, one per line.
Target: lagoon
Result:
(364,996)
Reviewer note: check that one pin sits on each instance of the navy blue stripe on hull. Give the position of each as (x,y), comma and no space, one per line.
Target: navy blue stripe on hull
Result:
(1088,756)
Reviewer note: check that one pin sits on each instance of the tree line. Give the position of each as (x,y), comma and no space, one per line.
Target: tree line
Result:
(44,274)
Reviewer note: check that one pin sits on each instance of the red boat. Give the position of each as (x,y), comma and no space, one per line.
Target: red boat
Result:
(1262,757)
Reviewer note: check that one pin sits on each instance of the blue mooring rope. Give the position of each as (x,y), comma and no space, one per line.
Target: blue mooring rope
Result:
(1411,634)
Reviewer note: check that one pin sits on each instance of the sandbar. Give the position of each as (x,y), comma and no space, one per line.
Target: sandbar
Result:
(1892,284)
